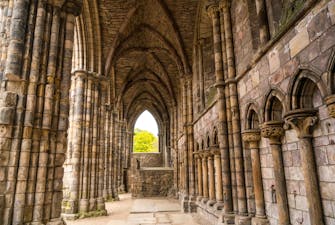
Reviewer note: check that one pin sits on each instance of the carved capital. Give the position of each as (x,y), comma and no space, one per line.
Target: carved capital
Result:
(224,5)
(330,101)
(215,151)
(73,6)
(212,10)
(302,121)
(251,135)
(273,130)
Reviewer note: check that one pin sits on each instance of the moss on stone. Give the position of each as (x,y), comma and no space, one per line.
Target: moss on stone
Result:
(96,213)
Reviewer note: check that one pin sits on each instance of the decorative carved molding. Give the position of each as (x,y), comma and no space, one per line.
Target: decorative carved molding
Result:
(251,135)
(212,10)
(273,130)
(330,101)
(302,121)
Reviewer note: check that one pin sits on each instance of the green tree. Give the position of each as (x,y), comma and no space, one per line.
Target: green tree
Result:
(144,141)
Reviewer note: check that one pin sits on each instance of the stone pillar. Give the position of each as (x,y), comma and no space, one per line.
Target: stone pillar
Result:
(235,116)
(218,179)
(330,101)
(186,158)
(190,147)
(211,183)
(200,185)
(302,121)
(253,137)
(70,205)
(39,78)
(219,44)
(273,130)
(205,177)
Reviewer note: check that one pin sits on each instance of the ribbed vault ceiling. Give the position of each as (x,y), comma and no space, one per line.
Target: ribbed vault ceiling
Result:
(144,46)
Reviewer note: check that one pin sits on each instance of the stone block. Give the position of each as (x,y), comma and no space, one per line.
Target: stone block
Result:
(299,42)
(319,24)
(327,173)
(331,11)
(295,173)
(327,208)
(274,61)
(327,190)
(301,202)
(8,99)
(331,154)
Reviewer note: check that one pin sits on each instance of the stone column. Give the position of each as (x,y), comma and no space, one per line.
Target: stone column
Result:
(211,183)
(253,137)
(75,145)
(200,185)
(235,116)
(39,79)
(214,13)
(190,147)
(330,101)
(273,130)
(302,121)
(204,177)
(218,179)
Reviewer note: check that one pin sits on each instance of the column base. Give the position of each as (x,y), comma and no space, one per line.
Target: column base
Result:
(83,215)
(199,198)
(210,203)
(69,206)
(192,206)
(260,221)
(218,206)
(83,205)
(228,219)
(57,221)
(204,201)
(93,204)
(184,204)
(242,220)
(101,204)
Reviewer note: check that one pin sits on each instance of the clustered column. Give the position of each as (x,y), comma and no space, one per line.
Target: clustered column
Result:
(86,186)
(35,88)
(209,188)
(229,117)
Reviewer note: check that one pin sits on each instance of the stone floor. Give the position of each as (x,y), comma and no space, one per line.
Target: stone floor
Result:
(148,211)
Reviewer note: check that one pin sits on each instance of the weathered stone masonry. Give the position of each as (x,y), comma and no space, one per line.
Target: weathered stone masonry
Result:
(243,93)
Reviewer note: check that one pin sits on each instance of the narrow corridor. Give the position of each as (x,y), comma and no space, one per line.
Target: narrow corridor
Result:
(146,211)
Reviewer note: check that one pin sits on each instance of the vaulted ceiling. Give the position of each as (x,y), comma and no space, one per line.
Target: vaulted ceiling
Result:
(143,46)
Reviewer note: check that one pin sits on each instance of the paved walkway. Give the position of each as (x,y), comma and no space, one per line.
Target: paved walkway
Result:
(148,211)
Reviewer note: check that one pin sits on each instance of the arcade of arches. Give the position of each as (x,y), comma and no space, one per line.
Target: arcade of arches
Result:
(243,93)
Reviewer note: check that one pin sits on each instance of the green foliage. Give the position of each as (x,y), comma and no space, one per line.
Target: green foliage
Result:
(144,141)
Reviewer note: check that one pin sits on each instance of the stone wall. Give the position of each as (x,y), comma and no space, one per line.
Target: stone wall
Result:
(147,159)
(306,49)
(152,182)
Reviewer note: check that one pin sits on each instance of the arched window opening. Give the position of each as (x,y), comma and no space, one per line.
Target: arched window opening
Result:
(274,11)
(333,79)
(202,145)
(308,95)
(215,138)
(146,134)
(208,142)
(274,110)
(253,122)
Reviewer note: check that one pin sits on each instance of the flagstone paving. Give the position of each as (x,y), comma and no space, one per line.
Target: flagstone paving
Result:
(146,211)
